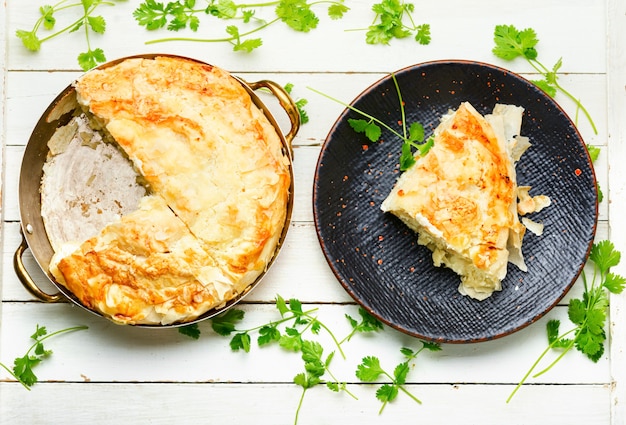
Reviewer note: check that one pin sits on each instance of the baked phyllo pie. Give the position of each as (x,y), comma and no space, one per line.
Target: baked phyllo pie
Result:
(461,196)
(217,179)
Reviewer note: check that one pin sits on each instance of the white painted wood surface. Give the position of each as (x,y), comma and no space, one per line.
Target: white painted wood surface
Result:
(111,373)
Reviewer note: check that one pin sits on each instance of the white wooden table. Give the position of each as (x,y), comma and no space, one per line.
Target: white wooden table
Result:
(109,374)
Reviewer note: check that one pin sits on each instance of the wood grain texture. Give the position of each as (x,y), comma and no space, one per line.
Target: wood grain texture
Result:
(160,376)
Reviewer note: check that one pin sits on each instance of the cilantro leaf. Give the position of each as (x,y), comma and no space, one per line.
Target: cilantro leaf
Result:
(23,366)
(604,255)
(337,10)
(267,334)
(387,393)
(369,370)
(91,58)
(406,158)
(192,330)
(225,323)
(390,23)
(614,283)
(241,341)
(97,24)
(47,16)
(511,43)
(368,323)
(371,130)
(588,313)
(297,14)
(594,152)
(151,14)
(29,40)
(422,36)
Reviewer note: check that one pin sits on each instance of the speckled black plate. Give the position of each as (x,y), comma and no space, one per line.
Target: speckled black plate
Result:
(375,256)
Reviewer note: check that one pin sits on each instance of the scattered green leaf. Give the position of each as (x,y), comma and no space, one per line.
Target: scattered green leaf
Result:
(300,104)
(180,14)
(370,370)
(371,128)
(315,367)
(511,43)
(192,330)
(368,323)
(89,22)
(588,313)
(23,366)
(394,19)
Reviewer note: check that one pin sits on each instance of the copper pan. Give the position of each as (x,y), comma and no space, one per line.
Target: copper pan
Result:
(58,113)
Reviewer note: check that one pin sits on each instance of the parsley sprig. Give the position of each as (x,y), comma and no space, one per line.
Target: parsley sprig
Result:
(177,15)
(511,43)
(289,333)
(588,313)
(370,370)
(413,138)
(89,22)
(394,19)
(290,311)
(315,367)
(23,366)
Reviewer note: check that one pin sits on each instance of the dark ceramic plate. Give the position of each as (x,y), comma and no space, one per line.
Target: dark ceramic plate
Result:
(375,256)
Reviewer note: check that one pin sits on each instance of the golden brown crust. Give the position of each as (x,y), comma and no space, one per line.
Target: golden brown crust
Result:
(202,145)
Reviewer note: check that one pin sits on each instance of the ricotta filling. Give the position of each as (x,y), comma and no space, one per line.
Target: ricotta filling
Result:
(87,183)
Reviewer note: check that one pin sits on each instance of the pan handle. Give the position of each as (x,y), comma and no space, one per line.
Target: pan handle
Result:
(27,281)
(287,104)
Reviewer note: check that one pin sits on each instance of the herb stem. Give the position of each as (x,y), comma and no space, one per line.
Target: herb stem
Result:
(352,108)
(15,376)
(212,40)
(541,68)
(299,406)
(332,335)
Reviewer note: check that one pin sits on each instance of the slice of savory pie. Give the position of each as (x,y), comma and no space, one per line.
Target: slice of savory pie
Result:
(218,182)
(461,197)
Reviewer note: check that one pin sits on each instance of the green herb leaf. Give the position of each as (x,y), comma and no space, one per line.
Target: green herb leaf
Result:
(604,255)
(91,58)
(390,23)
(29,40)
(225,323)
(23,366)
(192,330)
(511,43)
(297,14)
(97,24)
(151,14)
(588,314)
(369,370)
(371,130)
(387,393)
(241,341)
(594,152)
(337,10)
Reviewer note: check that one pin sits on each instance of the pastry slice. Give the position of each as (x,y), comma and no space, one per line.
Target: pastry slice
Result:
(461,197)
(146,268)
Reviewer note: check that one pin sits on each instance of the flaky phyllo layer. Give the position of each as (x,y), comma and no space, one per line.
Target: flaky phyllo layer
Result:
(462,197)
(218,182)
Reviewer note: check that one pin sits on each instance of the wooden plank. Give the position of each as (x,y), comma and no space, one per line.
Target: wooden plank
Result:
(617,178)
(108,352)
(233,403)
(461,29)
